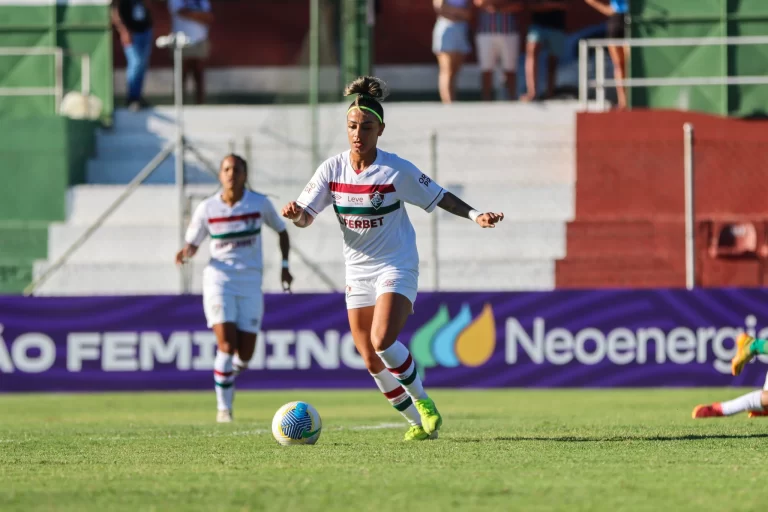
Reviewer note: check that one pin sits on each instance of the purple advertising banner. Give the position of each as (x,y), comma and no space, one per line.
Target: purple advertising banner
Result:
(476,340)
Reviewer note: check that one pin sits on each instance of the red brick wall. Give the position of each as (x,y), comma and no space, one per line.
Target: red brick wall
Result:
(629,228)
(630,165)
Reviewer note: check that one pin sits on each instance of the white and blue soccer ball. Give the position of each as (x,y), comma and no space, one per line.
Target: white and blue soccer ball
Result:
(296,423)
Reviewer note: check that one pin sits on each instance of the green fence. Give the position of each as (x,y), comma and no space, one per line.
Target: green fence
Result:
(77,26)
(700,18)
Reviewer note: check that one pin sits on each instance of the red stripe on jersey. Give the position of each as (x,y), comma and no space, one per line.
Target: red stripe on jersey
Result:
(403,367)
(360,189)
(245,216)
(222,374)
(395,392)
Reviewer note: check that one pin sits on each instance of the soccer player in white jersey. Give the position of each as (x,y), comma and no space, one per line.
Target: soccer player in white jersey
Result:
(232,298)
(367,188)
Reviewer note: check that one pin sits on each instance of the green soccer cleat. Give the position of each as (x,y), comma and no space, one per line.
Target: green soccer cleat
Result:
(417,433)
(430,417)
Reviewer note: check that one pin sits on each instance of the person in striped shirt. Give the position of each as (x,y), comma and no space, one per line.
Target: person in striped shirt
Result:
(498,40)
(232,297)
(367,188)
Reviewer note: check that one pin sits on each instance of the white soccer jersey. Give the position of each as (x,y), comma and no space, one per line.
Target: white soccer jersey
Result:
(378,235)
(236,259)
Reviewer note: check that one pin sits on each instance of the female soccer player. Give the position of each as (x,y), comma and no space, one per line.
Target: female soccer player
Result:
(367,188)
(232,297)
(754,402)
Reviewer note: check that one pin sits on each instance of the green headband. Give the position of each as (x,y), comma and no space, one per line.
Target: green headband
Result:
(368,109)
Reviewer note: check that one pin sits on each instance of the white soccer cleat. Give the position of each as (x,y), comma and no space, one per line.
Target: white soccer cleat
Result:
(224,416)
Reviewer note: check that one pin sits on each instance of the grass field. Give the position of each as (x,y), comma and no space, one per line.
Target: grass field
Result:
(499,450)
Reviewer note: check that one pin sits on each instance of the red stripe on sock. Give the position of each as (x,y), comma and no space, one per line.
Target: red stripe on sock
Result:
(394,393)
(403,367)
(222,374)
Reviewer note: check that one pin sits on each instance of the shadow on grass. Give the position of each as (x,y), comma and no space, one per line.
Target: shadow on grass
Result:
(610,439)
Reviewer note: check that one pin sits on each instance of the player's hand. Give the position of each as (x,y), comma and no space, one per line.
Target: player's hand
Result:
(185,254)
(286,279)
(125,38)
(489,220)
(292,211)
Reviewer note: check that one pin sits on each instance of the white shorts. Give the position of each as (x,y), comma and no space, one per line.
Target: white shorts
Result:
(244,311)
(362,293)
(492,48)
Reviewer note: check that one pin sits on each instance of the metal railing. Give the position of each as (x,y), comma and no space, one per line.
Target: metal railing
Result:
(57,91)
(601,82)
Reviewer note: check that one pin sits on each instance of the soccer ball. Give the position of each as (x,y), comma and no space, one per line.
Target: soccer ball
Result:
(296,423)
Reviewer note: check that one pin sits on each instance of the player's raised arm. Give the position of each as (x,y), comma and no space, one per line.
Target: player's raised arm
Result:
(456,206)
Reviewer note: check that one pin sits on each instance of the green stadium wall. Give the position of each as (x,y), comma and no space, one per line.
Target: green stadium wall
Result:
(41,158)
(80,26)
(700,18)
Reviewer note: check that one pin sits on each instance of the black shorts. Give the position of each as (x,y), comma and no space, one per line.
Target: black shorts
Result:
(616,26)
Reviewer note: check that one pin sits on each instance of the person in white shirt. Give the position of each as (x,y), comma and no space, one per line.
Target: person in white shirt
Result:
(232,297)
(193,18)
(367,188)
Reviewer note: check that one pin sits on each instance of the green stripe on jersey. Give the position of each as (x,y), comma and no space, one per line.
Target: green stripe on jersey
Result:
(359,210)
(238,234)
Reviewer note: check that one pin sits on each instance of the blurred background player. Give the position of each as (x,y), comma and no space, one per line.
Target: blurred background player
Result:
(194,19)
(616,10)
(547,32)
(232,297)
(754,402)
(367,188)
(133,23)
(450,43)
(498,41)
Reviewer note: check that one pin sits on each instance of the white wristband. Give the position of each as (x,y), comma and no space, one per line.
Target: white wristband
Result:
(285,263)
(473,215)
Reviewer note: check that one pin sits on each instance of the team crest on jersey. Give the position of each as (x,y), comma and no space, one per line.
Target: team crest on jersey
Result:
(377,199)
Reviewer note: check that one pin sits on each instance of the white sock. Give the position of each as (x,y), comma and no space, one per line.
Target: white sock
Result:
(397,396)
(398,360)
(238,365)
(224,378)
(752,401)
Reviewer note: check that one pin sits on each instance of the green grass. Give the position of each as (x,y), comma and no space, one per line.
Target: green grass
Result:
(500,450)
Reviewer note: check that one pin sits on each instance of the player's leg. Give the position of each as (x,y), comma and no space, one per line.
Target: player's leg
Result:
(509,46)
(220,313)
(249,312)
(747,348)
(532,50)
(396,293)
(754,401)
(360,304)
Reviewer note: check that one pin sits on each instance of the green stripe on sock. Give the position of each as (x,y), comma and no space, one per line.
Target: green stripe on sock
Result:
(224,384)
(409,379)
(758,346)
(404,404)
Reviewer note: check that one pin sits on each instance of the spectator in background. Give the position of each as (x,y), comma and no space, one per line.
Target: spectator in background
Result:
(193,18)
(133,23)
(450,43)
(498,40)
(547,32)
(616,10)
